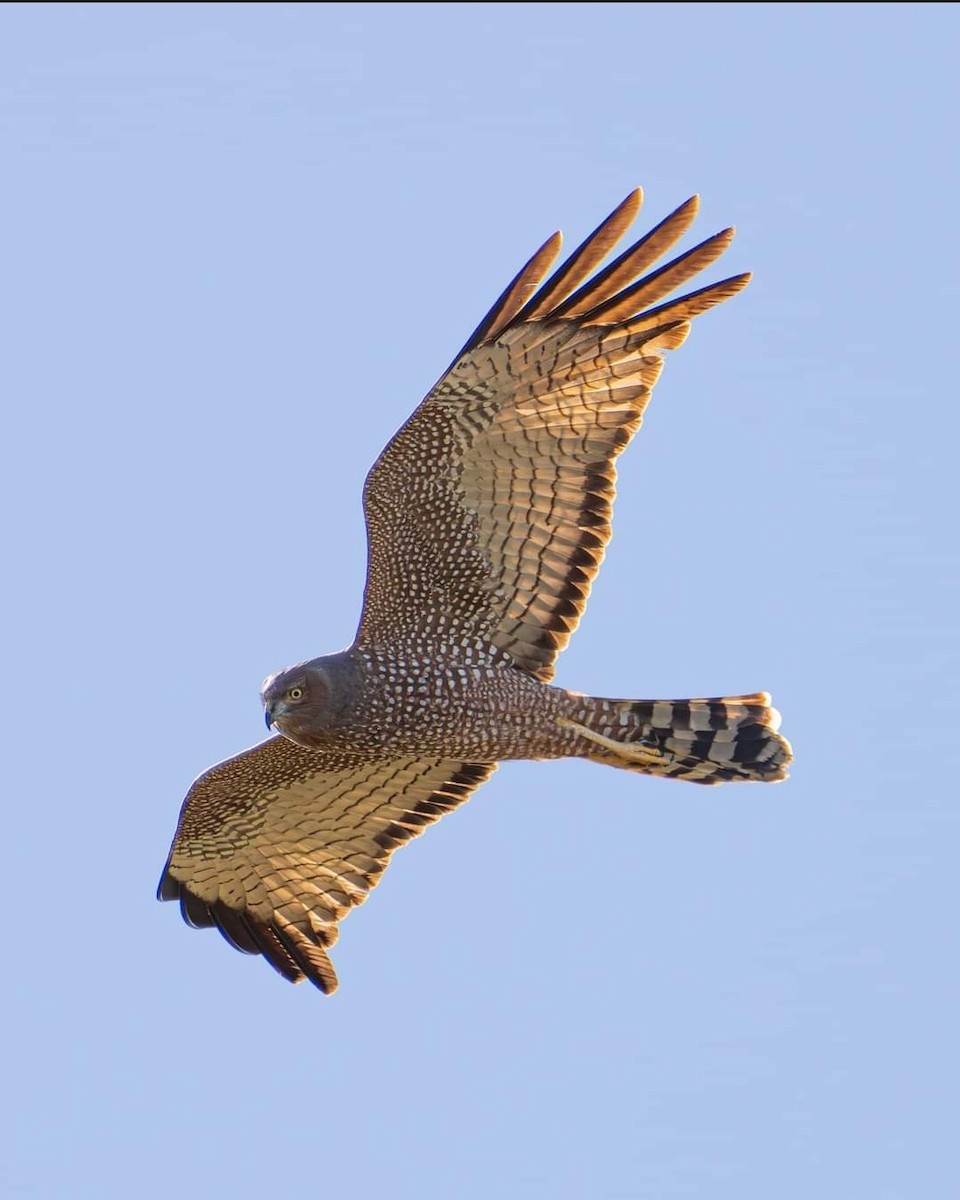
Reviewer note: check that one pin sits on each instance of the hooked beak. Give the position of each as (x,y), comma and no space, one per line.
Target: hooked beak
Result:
(268,717)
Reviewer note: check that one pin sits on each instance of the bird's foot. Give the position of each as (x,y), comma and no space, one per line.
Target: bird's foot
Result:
(638,752)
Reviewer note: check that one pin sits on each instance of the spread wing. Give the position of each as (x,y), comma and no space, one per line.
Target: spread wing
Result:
(489,512)
(276,845)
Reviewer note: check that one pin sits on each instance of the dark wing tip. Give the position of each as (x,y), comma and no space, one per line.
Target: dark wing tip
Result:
(588,255)
(168,888)
(621,290)
(287,949)
(516,294)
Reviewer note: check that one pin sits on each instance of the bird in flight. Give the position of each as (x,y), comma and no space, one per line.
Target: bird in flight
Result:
(487,518)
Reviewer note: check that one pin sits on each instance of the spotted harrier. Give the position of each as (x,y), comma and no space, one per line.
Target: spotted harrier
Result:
(487,518)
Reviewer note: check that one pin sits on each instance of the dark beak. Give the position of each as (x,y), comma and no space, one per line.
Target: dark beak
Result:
(268,717)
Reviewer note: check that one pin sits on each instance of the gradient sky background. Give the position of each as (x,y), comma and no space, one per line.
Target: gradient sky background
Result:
(240,242)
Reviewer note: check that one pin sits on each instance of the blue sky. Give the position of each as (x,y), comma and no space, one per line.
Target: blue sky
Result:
(240,243)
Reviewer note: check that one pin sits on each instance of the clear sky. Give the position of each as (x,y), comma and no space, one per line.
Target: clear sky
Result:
(239,244)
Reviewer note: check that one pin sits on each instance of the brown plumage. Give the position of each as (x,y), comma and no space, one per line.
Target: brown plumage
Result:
(487,518)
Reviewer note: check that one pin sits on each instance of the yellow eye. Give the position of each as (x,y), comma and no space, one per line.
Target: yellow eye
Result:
(295,693)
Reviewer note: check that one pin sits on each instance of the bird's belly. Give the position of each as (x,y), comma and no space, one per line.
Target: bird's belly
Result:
(474,714)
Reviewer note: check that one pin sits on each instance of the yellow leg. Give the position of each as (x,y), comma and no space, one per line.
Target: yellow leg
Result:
(647,756)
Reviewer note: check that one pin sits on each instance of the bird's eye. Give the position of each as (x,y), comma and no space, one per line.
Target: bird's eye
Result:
(295,693)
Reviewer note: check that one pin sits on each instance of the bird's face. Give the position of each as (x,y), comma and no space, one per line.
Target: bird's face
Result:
(293,700)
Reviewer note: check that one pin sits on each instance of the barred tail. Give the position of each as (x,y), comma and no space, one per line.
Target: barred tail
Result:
(727,738)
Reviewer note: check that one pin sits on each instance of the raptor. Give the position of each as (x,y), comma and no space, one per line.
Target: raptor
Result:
(487,517)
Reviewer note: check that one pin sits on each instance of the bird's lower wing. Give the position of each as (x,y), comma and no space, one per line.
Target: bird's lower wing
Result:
(276,845)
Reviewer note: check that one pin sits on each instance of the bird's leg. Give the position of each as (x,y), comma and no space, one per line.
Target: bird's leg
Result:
(649,756)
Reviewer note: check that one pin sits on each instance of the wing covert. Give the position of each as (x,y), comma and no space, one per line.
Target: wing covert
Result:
(489,512)
(275,846)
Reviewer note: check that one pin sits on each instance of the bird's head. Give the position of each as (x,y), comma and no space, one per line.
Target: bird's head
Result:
(297,700)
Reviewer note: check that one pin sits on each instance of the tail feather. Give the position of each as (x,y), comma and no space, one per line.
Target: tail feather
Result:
(709,740)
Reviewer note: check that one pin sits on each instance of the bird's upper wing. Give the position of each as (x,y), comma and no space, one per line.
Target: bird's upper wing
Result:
(489,511)
(276,845)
